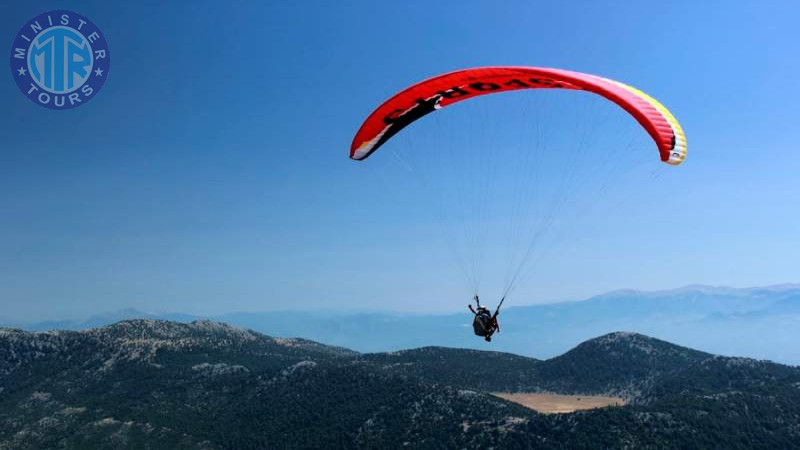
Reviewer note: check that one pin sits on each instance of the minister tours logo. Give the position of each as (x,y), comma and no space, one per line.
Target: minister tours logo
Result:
(60,59)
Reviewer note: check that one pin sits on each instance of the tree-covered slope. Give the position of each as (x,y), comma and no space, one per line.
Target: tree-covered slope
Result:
(154,384)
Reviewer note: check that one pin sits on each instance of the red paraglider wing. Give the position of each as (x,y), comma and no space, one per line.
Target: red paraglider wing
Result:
(437,92)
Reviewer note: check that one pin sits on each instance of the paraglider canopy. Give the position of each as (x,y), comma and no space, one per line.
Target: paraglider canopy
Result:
(438,92)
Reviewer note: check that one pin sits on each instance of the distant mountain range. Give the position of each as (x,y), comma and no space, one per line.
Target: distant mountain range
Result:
(168,385)
(762,322)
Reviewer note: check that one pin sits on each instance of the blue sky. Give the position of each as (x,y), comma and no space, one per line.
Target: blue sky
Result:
(211,173)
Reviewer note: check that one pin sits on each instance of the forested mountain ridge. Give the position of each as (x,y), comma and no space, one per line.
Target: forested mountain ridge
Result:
(157,384)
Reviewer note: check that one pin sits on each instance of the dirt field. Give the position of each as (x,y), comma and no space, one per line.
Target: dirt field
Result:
(552,403)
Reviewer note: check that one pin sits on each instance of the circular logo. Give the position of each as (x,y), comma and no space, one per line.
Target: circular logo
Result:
(60,59)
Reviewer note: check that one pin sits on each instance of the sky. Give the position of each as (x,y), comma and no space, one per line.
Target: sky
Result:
(210,173)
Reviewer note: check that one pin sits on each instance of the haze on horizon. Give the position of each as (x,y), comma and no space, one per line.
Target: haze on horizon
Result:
(133,312)
(199,188)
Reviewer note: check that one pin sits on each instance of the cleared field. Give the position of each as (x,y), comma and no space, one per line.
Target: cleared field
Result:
(553,403)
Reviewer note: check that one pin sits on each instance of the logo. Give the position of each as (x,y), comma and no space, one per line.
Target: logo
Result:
(60,59)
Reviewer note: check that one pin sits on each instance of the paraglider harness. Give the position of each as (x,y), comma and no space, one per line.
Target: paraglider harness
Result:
(485,323)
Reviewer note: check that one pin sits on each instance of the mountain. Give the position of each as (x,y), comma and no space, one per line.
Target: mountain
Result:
(468,369)
(157,384)
(623,364)
(760,322)
(98,320)
(150,384)
(788,306)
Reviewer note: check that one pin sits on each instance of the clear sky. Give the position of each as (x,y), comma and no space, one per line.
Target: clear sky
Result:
(210,174)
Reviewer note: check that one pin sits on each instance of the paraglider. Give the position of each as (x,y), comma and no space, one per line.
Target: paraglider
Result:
(433,94)
(485,323)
